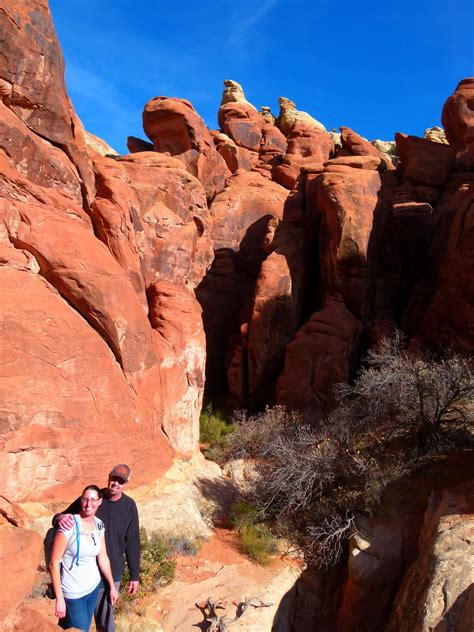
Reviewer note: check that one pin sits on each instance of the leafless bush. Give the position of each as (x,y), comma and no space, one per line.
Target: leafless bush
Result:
(257,432)
(427,399)
(315,480)
(328,537)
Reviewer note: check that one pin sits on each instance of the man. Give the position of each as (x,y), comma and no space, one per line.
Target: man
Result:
(122,537)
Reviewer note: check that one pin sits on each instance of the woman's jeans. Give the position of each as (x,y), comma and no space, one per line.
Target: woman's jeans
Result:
(79,611)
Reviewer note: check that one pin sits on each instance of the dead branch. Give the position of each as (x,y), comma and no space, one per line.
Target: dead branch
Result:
(218,623)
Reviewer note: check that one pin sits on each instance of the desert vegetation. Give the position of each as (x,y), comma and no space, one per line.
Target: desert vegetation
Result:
(314,481)
(158,565)
(215,429)
(257,541)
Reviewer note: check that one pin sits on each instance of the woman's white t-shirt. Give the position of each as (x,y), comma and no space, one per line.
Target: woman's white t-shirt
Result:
(80,573)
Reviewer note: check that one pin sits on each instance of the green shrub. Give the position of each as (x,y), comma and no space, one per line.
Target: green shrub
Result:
(156,568)
(215,431)
(244,513)
(258,542)
(256,538)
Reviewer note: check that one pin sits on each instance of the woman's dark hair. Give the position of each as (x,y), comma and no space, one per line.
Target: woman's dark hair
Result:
(93,488)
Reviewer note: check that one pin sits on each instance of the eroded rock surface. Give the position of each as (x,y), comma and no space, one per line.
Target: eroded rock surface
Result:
(174,127)
(436,593)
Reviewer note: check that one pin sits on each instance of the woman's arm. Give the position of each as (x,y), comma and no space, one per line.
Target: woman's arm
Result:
(104,565)
(57,552)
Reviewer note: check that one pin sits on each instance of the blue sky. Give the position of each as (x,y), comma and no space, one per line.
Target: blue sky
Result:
(377,66)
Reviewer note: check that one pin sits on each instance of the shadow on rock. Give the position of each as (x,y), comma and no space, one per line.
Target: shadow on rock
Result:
(221,493)
(311,604)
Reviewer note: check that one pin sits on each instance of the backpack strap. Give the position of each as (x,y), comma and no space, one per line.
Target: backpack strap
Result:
(78,541)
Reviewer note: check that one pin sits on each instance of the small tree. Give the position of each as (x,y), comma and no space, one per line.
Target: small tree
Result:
(315,480)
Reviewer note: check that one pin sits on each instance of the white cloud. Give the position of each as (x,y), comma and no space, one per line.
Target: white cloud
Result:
(245,22)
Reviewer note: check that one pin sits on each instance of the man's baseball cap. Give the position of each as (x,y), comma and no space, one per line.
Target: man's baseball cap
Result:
(121,470)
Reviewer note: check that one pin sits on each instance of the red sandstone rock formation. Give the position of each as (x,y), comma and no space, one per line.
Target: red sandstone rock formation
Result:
(239,217)
(249,140)
(424,162)
(355,145)
(278,305)
(36,95)
(102,335)
(90,368)
(174,127)
(242,123)
(347,198)
(21,550)
(447,318)
(458,118)
(421,536)
(152,215)
(438,589)
(307,146)
(323,353)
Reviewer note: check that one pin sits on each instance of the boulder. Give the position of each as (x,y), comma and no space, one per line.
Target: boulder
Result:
(436,134)
(308,145)
(423,161)
(242,123)
(26,619)
(174,127)
(458,117)
(265,111)
(135,145)
(358,146)
(323,353)
(234,93)
(289,117)
(236,213)
(235,157)
(20,553)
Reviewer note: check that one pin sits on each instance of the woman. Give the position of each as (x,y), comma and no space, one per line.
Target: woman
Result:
(76,557)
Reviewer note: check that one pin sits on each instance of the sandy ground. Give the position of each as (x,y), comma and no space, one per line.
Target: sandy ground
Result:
(223,574)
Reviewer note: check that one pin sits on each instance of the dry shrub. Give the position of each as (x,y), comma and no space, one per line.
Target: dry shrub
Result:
(315,480)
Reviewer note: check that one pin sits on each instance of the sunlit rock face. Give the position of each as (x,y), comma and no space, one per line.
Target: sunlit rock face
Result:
(458,118)
(32,88)
(104,362)
(263,218)
(437,590)
(174,127)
